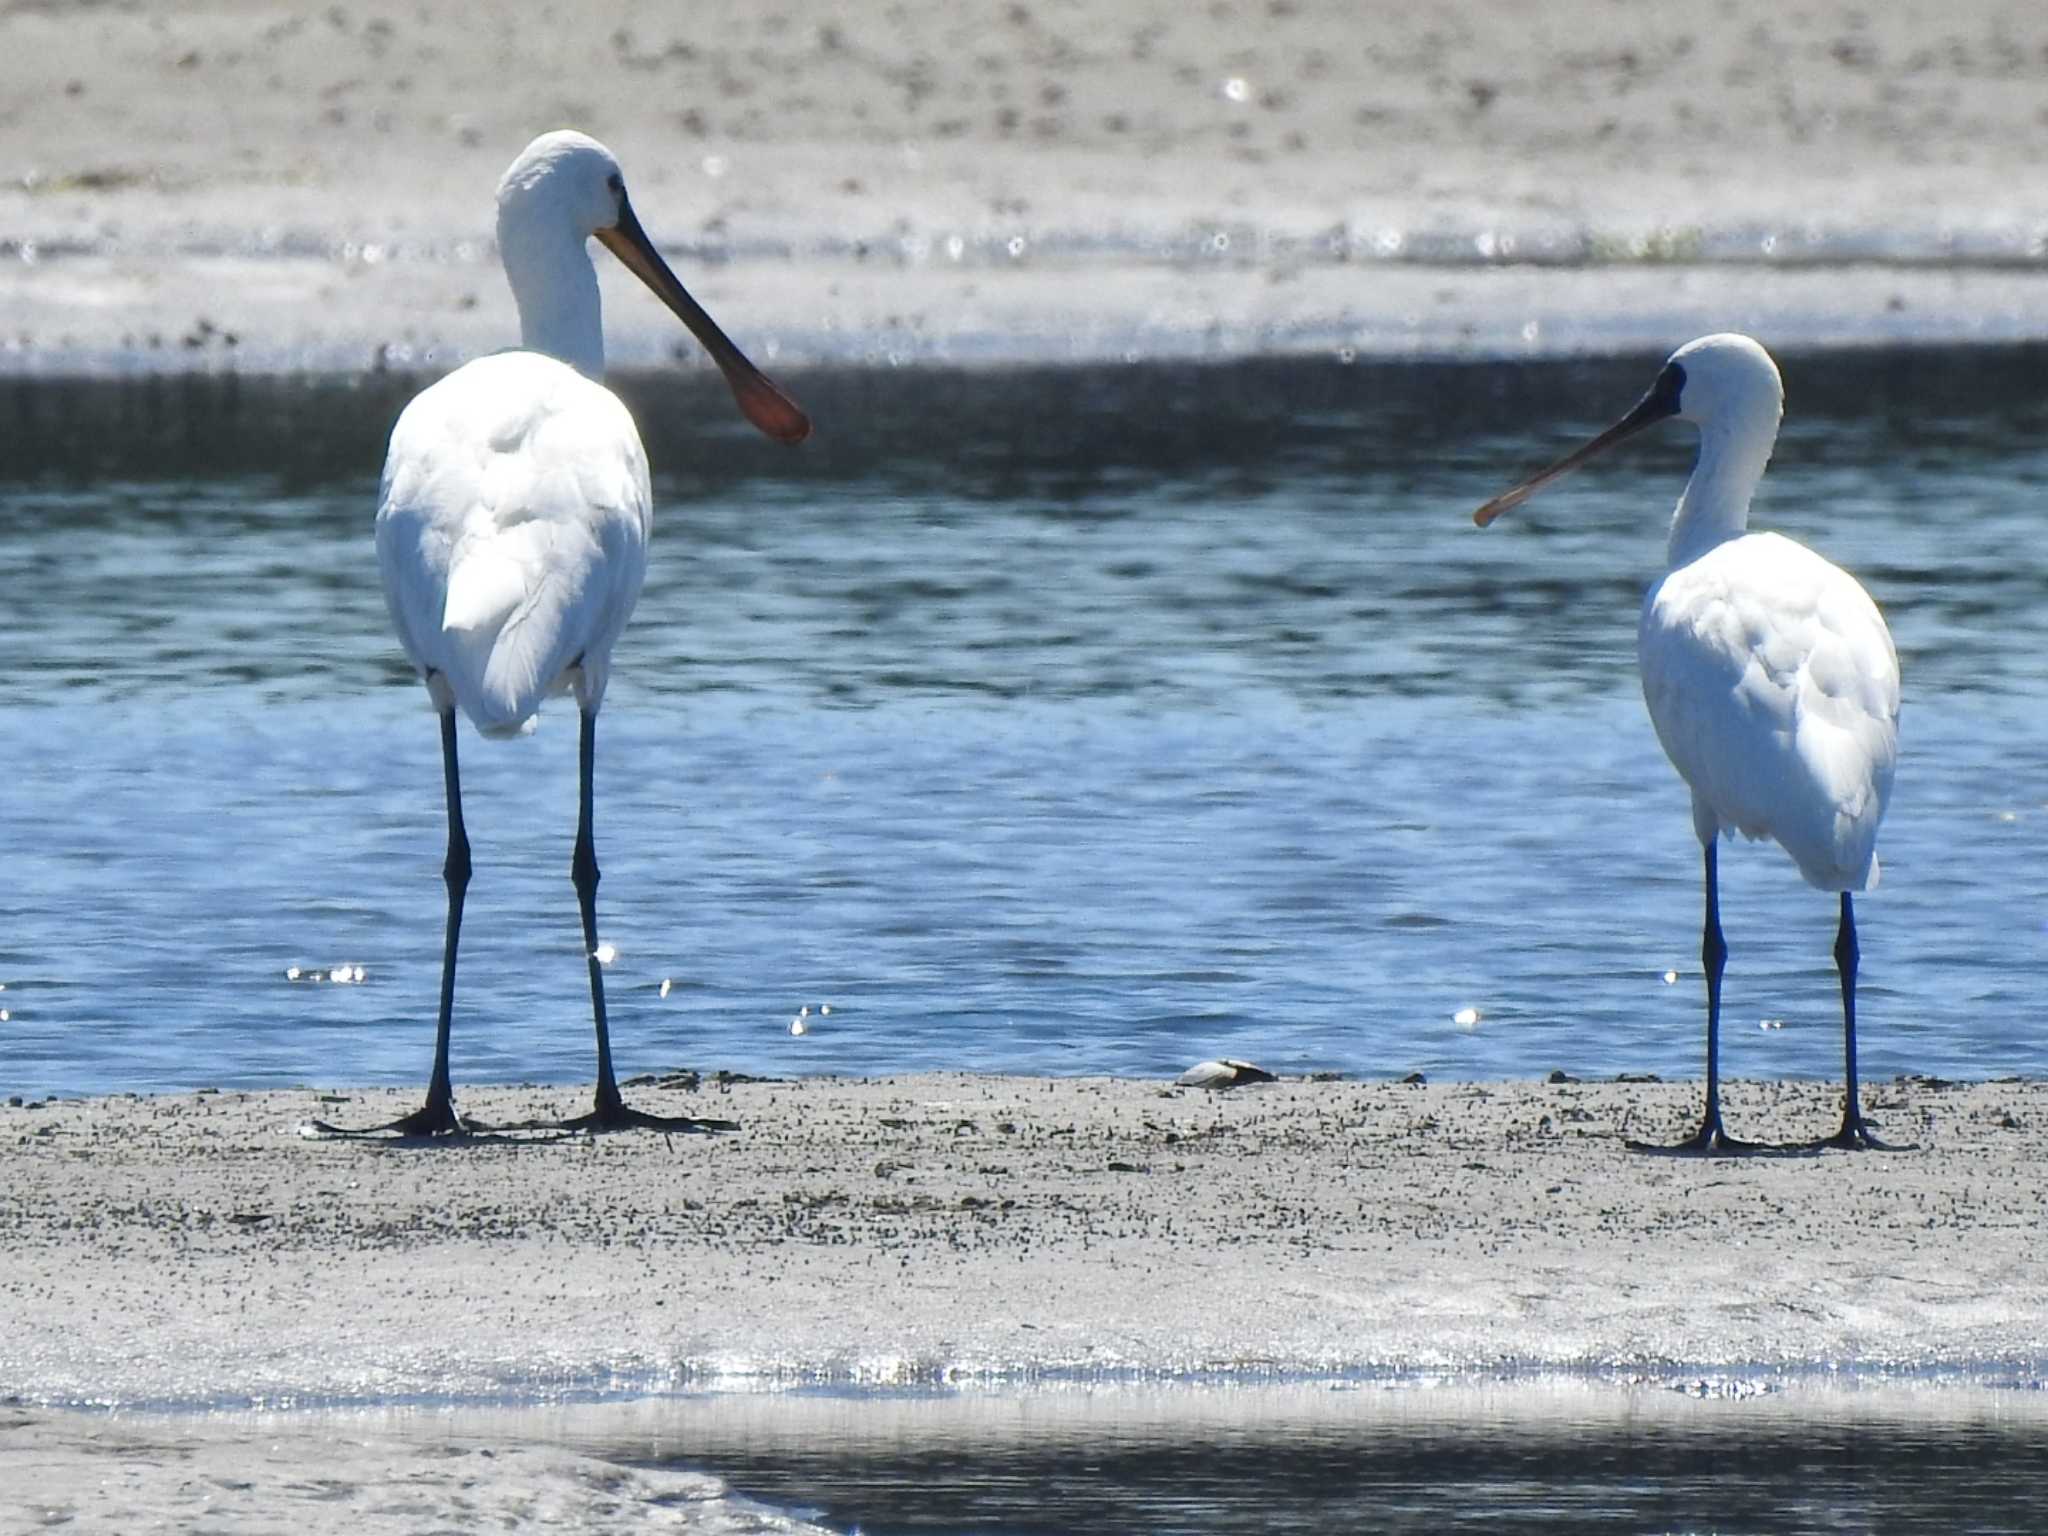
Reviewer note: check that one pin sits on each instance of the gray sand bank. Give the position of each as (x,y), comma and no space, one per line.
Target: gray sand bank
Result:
(255,185)
(195,1250)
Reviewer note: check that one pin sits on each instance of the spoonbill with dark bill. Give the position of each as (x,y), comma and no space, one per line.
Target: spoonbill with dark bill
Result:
(1769,674)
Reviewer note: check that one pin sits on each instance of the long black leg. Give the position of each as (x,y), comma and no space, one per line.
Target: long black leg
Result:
(609,1111)
(1712,1138)
(584,872)
(439,1109)
(437,1116)
(1855,1133)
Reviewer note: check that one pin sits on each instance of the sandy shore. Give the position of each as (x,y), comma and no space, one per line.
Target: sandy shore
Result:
(1086,1242)
(935,1229)
(251,184)
(1019,1234)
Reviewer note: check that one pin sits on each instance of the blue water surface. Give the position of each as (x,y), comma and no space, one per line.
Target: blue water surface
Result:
(1092,721)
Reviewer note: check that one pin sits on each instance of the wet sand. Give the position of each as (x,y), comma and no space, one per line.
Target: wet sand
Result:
(969,1232)
(253,185)
(943,1228)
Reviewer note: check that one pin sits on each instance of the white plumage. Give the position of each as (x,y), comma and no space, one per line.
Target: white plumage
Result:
(1774,688)
(512,535)
(514,519)
(1769,674)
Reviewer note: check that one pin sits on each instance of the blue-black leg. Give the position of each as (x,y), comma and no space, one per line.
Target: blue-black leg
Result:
(610,1111)
(1712,1138)
(1855,1134)
(437,1116)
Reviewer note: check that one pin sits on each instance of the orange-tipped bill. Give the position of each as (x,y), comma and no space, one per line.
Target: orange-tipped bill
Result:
(1661,402)
(760,399)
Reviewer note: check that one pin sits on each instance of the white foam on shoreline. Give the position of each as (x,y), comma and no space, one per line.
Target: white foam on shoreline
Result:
(113,316)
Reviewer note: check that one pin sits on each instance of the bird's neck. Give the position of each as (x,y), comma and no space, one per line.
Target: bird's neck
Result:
(555,287)
(1715,505)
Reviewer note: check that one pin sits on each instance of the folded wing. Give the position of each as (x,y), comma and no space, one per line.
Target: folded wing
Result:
(512,534)
(1774,687)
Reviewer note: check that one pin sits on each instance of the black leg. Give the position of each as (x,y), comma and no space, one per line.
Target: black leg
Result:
(1712,1138)
(584,873)
(437,1116)
(1855,1134)
(609,1111)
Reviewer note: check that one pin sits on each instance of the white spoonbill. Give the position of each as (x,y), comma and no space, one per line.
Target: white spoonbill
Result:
(1769,673)
(513,525)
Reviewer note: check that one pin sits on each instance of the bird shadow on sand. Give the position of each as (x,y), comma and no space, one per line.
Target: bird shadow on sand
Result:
(477,1133)
(1720,1145)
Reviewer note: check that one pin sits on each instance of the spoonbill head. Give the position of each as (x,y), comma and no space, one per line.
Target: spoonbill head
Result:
(564,189)
(1769,674)
(1726,385)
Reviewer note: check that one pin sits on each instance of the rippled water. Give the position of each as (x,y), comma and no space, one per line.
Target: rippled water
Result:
(1089,721)
(1260,1461)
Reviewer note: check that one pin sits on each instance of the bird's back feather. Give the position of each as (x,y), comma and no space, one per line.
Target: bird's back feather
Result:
(512,534)
(1774,687)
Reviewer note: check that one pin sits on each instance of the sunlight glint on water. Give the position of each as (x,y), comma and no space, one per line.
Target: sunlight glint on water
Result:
(1098,722)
